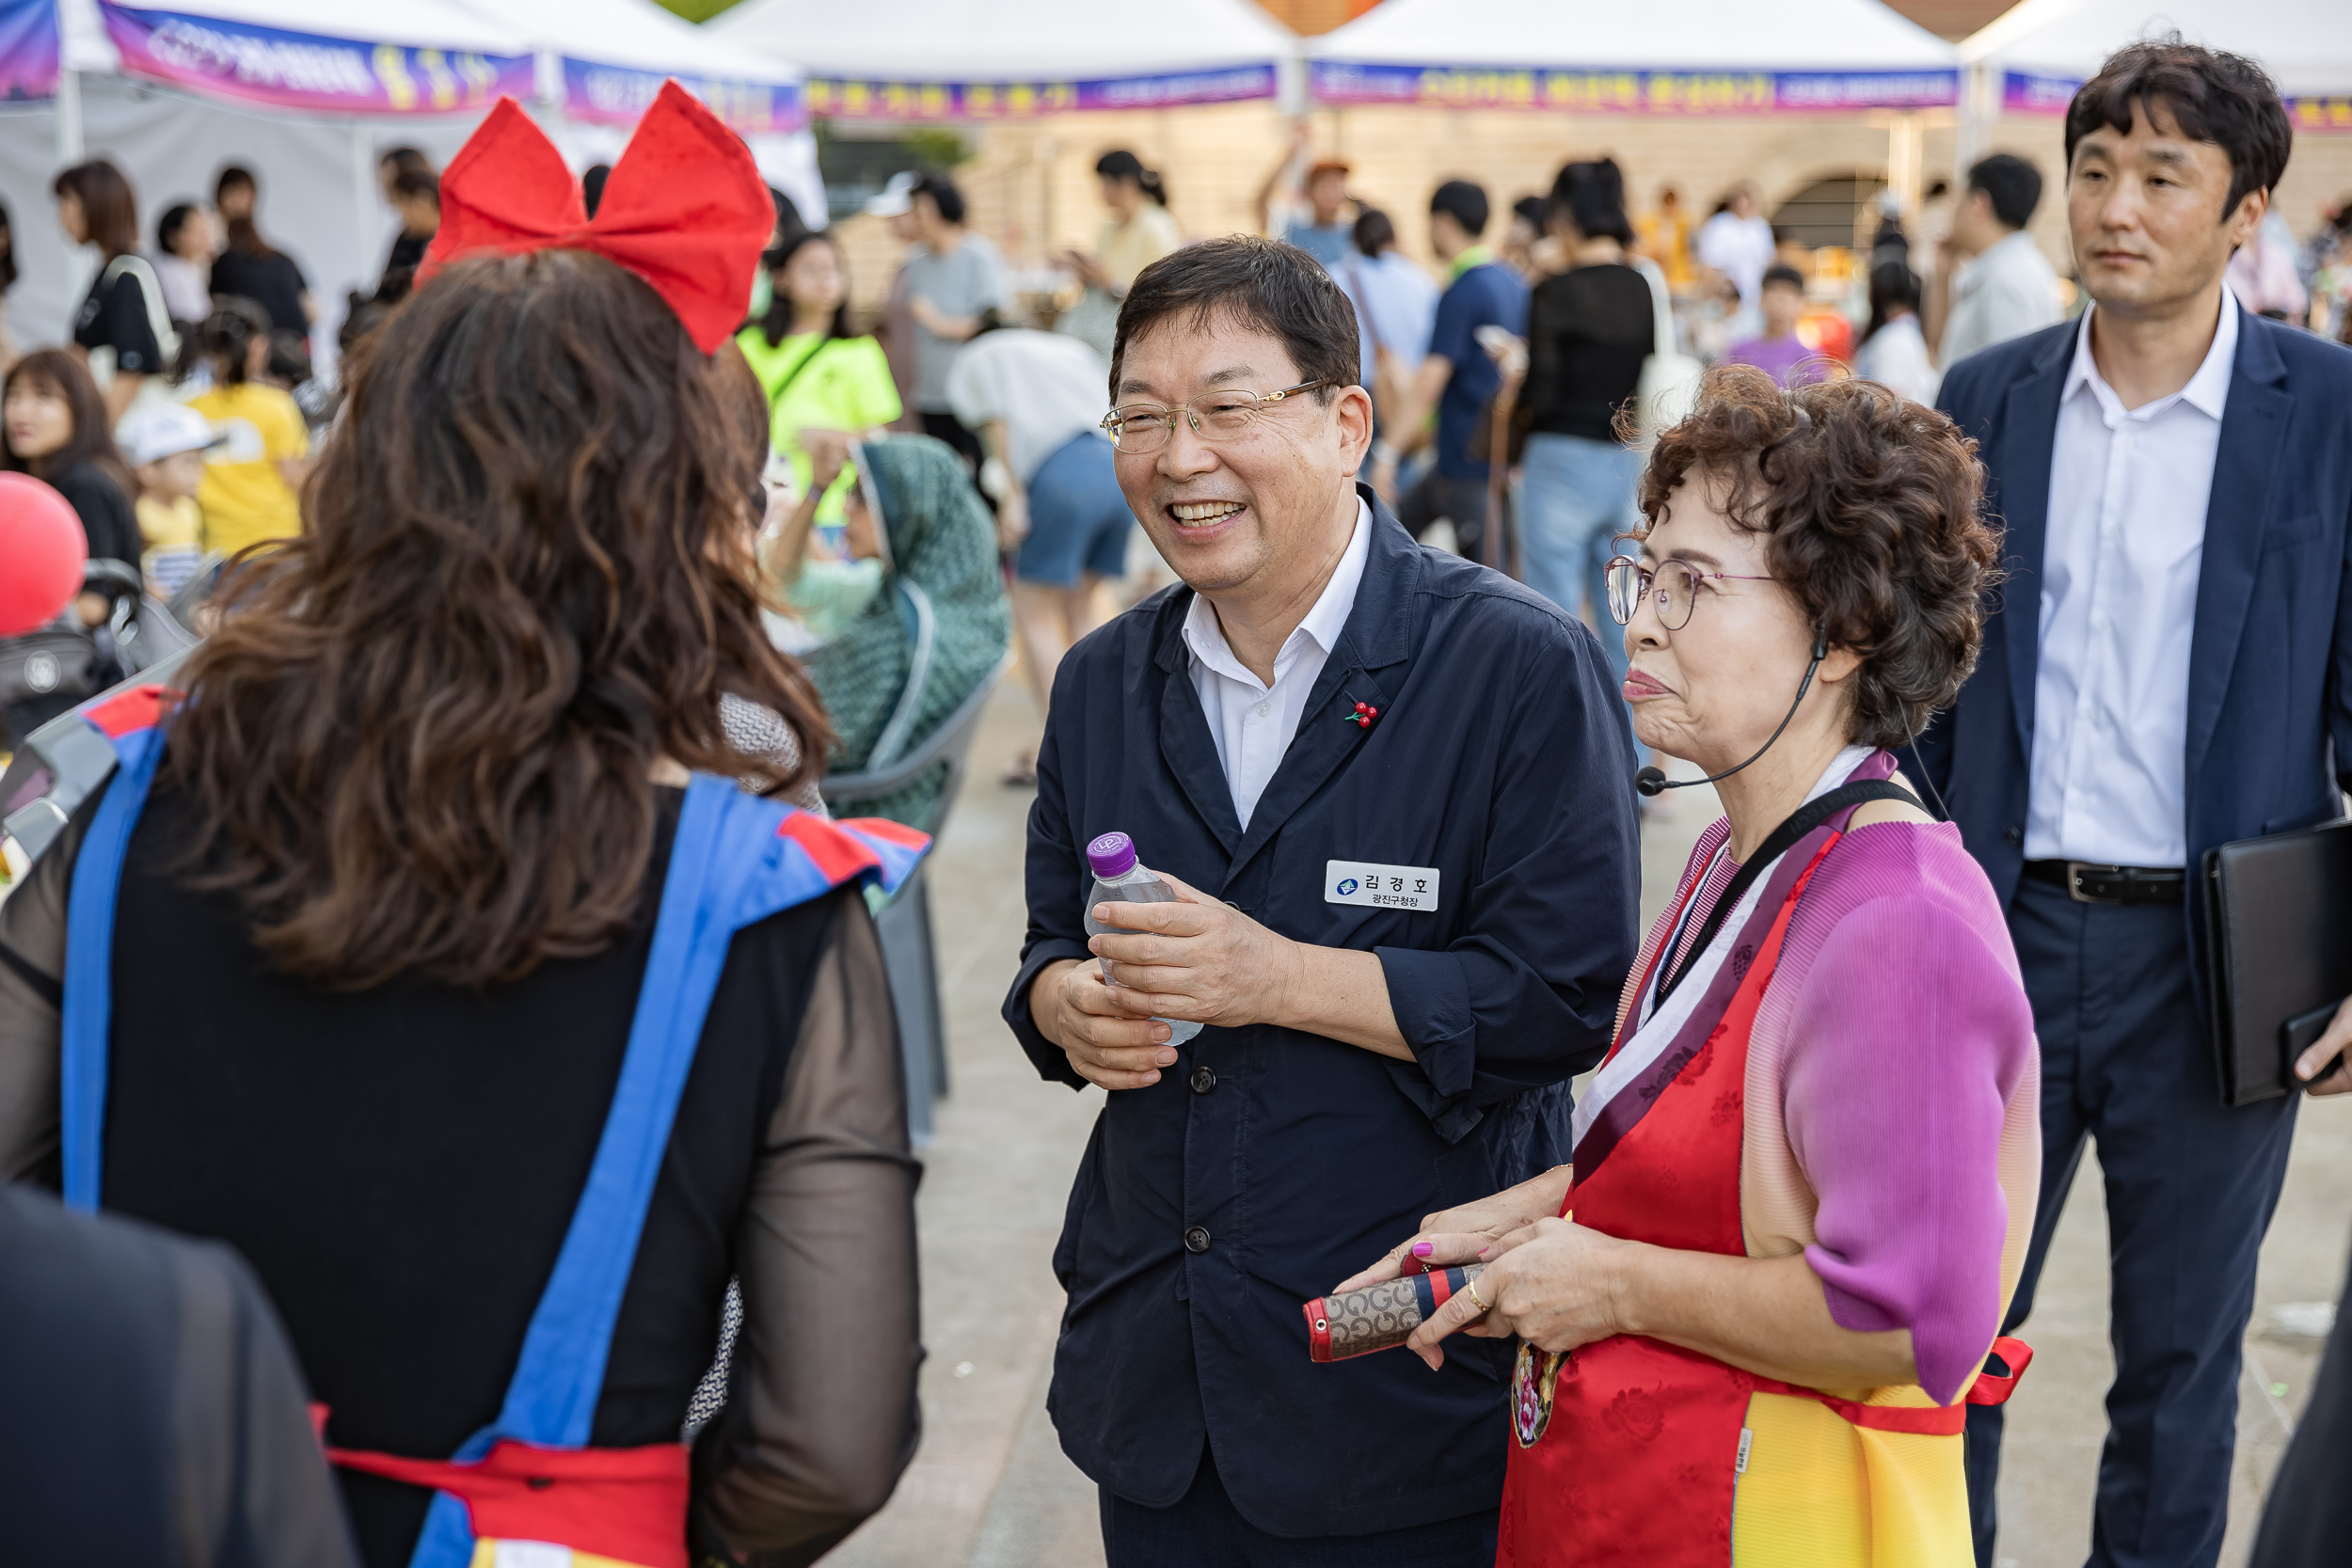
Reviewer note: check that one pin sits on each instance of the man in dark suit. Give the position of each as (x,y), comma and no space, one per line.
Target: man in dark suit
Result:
(1402,785)
(2168,669)
(150,1410)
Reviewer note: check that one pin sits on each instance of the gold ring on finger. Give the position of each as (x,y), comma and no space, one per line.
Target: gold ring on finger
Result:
(1470,1289)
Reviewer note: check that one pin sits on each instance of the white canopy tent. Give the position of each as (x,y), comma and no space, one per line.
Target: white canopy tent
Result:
(599,63)
(255,82)
(936,59)
(2306,45)
(1587,56)
(316,167)
(2032,58)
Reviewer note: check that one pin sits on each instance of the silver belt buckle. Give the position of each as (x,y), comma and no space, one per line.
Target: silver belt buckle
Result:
(2074,870)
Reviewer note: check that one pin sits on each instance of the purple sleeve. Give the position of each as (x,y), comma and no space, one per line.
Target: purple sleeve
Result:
(1908,1036)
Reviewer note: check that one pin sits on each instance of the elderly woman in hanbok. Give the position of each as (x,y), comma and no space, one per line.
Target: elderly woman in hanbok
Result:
(1752,1308)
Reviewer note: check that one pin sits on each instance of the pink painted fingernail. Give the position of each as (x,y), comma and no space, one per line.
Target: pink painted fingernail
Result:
(1423,1250)
(1482,1251)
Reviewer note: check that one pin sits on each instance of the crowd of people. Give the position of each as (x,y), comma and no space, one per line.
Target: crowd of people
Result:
(464,942)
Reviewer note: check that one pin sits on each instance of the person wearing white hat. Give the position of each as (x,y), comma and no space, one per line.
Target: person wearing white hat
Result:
(165,445)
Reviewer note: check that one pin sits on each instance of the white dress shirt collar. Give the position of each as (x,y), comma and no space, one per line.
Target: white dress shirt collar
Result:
(2208,391)
(1205,634)
(1252,722)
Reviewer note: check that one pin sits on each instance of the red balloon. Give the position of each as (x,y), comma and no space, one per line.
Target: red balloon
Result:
(42,551)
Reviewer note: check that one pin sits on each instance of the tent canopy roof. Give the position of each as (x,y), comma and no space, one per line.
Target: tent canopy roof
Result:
(637,34)
(2305,44)
(1018,40)
(1704,35)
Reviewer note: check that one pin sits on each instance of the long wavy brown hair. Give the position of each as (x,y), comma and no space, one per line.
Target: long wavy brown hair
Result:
(422,740)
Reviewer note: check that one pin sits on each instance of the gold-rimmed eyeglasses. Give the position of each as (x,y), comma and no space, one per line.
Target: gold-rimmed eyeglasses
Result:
(1224,415)
(1673,589)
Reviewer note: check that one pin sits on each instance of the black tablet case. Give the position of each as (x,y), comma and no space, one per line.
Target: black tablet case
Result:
(2279,945)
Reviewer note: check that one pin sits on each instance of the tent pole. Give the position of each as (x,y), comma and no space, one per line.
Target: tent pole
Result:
(1906,148)
(363,185)
(69,118)
(1969,133)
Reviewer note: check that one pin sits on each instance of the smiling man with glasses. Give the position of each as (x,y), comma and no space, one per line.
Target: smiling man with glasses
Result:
(1392,791)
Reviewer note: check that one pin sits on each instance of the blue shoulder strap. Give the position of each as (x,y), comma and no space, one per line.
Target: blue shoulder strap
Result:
(737,860)
(89,941)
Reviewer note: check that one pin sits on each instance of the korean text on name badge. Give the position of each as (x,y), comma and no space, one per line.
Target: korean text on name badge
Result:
(1380,887)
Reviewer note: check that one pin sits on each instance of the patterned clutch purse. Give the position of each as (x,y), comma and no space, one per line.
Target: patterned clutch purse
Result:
(1357,1322)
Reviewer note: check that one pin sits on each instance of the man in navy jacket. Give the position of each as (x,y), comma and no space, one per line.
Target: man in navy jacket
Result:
(1324,713)
(2169,669)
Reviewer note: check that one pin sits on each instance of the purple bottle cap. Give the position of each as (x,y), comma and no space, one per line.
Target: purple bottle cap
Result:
(1112,855)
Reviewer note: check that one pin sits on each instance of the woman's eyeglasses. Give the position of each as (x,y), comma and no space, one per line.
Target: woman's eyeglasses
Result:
(1225,415)
(1672,589)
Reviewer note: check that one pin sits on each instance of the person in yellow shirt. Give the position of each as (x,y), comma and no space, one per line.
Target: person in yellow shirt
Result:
(1666,235)
(253,477)
(165,444)
(826,384)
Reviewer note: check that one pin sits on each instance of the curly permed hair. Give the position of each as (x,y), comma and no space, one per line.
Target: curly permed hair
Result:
(1872,503)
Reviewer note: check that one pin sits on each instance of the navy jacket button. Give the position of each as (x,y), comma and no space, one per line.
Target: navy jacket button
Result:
(1196,1240)
(2013,837)
(1202,1080)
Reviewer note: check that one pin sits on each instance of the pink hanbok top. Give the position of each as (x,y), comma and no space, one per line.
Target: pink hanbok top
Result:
(1892,1121)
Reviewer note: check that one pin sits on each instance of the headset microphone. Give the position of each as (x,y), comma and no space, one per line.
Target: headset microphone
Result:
(1652,781)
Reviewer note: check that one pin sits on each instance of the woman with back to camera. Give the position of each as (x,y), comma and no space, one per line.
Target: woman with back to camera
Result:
(1589,328)
(1805,1175)
(184,263)
(1893,352)
(426,972)
(252,489)
(249,267)
(123,331)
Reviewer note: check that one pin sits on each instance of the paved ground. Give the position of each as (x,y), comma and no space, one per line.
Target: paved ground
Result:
(990,1487)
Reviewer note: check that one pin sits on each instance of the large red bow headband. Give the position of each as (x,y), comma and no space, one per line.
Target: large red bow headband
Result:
(685,208)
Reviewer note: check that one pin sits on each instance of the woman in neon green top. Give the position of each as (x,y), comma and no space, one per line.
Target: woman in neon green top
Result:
(825,387)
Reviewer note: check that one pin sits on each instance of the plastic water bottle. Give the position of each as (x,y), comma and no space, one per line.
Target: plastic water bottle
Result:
(1120,879)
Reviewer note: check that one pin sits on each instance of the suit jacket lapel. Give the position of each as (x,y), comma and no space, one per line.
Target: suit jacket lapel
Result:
(1185,744)
(2027,441)
(2254,428)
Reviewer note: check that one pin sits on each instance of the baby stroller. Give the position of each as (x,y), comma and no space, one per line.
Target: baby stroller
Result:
(48,671)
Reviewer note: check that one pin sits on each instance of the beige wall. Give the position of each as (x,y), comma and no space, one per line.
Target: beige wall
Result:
(1032,188)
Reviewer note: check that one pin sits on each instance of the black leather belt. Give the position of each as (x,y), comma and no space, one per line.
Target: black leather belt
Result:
(2087,883)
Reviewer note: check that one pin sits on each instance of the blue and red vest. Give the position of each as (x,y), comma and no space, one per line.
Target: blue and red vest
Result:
(530,1475)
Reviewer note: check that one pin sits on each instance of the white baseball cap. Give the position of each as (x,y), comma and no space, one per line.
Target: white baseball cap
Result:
(164,430)
(897,196)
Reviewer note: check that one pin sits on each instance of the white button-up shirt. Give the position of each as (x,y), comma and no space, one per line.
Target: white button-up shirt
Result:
(2120,560)
(1253,722)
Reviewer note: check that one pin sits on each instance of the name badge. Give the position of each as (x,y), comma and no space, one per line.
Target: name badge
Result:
(1380,887)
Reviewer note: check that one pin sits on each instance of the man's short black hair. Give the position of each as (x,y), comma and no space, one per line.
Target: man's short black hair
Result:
(944,196)
(2209,96)
(1465,203)
(1781,271)
(1263,284)
(2011,184)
